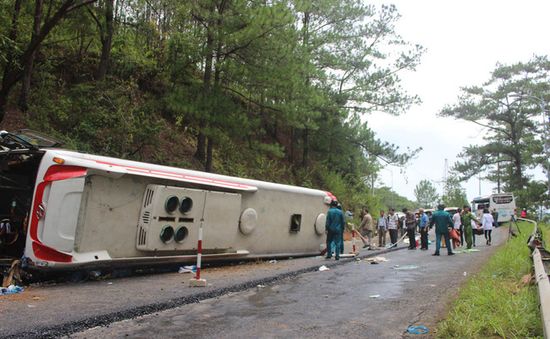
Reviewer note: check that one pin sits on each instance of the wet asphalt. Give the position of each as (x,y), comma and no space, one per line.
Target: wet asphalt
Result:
(354,299)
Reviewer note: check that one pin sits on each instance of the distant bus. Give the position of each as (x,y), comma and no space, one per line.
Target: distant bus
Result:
(504,203)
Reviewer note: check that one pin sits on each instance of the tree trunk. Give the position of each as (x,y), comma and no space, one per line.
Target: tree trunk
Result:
(10,62)
(209,149)
(29,63)
(201,139)
(106,41)
(200,153)
(305,147)
(13,74)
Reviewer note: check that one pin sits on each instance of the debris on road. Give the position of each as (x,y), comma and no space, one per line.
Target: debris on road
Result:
(12,289)
(374,296)
(273,261)
(188,269)
(323,268)
(405,268)
(376,260)
(420,329)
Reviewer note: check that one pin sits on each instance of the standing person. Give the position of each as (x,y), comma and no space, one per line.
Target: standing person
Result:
(393,220)
(468,220)
(410,225)
(457,225)
(367,228)
(487,222)
(523,213)
(334,227)
(401,225)
(443,222)
(382,225)
(348,215)
(423,225)
(494,213)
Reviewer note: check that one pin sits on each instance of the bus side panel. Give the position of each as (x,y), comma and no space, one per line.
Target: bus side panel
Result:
(109,220)
(275,210)
(109,215)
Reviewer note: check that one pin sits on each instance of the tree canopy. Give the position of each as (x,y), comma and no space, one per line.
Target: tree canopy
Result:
(426,194)
(509,107)
(277,90)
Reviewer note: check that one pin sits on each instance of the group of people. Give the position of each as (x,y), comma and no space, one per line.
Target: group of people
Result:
(459,227)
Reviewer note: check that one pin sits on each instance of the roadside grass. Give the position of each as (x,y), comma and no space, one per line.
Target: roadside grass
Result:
(495,303)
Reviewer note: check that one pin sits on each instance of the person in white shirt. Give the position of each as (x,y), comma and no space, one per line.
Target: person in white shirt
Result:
(457,225)
(487,222)
(382,225)
(393,219)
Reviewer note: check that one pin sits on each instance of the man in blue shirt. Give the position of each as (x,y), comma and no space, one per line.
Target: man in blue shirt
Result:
(334,227)
(424,227)
(443,222)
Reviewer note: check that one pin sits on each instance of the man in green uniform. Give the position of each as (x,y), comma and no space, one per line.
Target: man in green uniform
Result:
(467,217)
(334,227)
(443,222)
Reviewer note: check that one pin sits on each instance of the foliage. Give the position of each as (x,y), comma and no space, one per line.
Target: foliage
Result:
(453,193)
(275,90)
(494,303)
(426,194)
(508,106)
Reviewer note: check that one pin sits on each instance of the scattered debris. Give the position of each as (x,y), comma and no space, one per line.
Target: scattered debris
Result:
(374,263)
(527,279)
(260,286)
(109,283)
(374,296)
(376,260)
(420,329)
(12,289)
(13,274)
(36,298)
(273,261)
(323,268)
(405,268)
(188,269)
(470,250)
(465,273)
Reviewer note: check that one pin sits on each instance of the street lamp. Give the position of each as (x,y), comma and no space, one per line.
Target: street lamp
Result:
(546,130)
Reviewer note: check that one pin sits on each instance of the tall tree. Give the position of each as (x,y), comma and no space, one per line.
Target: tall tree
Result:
(14,68)
(453,193)
(426,194)
(513,137)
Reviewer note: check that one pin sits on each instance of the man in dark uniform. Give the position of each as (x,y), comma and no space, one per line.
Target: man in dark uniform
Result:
(334,228)
(443,222)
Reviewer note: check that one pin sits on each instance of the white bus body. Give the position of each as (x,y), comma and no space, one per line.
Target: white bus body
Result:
(89,210)
(503,203)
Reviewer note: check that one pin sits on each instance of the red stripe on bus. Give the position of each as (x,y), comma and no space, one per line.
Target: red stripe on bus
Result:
(177,175)
(54,173)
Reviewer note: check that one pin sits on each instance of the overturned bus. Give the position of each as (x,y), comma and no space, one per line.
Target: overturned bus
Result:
(63,209)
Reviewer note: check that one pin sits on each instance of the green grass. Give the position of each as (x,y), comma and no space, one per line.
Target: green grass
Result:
(494,303)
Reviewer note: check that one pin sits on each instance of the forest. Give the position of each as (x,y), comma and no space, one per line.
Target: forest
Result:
(278,90)
(273,90)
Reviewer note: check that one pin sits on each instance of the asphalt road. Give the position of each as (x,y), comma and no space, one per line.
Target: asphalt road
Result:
(356,299)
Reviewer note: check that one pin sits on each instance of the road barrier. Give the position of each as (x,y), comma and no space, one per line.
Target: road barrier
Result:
(535,242)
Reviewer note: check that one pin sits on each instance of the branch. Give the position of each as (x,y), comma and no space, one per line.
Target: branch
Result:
(250,100)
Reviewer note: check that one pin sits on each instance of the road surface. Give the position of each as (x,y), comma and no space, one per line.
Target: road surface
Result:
(356,299)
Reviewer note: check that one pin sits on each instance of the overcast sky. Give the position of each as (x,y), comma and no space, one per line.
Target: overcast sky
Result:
(464,40)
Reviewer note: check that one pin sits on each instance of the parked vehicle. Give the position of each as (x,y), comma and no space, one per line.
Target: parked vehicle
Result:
(504,203)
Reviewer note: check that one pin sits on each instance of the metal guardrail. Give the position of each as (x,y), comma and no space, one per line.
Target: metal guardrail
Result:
(541,276)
